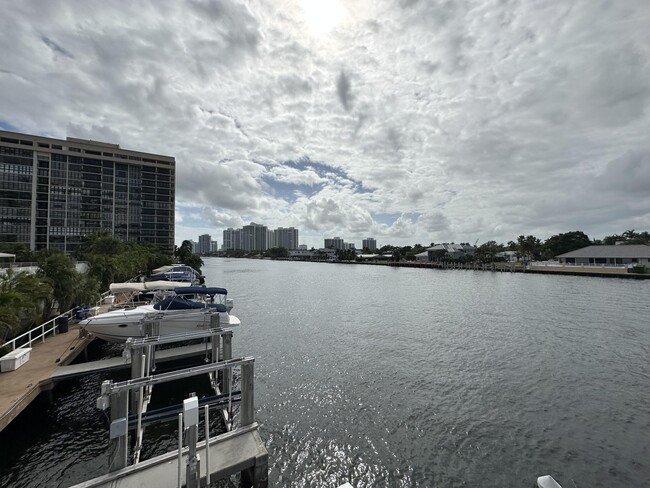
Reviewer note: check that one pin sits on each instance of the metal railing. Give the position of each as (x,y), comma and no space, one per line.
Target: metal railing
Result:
(38,332)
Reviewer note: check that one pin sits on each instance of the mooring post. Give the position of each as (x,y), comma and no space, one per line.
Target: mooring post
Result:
(206,419)
(137,363)
(191,421)
(214,321)
(119,431)
(247,394)
(227,354)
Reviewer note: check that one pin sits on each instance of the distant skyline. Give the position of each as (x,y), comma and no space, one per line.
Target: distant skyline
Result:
(410,121)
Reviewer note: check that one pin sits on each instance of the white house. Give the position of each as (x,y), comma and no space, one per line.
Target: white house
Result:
(617,254)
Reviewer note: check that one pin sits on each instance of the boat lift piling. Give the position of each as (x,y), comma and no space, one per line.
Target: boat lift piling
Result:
(254,459)
(240,449)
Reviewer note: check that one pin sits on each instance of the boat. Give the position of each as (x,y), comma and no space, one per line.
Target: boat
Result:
(188,308)
(176,273)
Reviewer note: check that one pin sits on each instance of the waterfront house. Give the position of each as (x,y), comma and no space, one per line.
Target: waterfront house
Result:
(441,252)
(612,255)
(423,256)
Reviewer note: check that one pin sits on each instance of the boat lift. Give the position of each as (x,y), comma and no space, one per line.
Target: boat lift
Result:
(240,449)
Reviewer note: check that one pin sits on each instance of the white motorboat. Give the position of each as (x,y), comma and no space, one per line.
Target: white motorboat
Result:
(190,308)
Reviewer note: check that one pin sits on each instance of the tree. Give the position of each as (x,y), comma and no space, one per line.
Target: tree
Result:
(412,251)
(23,297)
(628,237)
(529,247)
(185,255)
(563,243)
(60,272)
(487,251)
(346,254)
(277,252)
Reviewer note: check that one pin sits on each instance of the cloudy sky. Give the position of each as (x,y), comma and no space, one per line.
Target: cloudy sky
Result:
(410,121)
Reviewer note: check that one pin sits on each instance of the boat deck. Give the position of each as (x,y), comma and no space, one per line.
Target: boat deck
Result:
(18,388)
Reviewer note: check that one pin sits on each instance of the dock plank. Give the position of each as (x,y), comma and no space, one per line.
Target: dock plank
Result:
(18,388)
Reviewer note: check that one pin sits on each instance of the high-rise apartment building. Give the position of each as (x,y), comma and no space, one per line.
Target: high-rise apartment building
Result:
(287,238)
(257,237)
(369,243)
(205,244)
(254,237)
(334,243)
(54,192)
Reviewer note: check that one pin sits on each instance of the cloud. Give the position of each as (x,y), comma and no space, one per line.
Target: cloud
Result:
(55,47)
(344,90)
(460,120)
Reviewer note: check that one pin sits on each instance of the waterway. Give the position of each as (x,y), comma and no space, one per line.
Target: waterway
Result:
(407,377)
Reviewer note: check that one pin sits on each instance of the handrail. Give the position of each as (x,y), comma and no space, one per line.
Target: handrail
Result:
(40,328)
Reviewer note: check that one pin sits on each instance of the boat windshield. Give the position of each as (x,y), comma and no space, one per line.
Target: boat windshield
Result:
(182,303)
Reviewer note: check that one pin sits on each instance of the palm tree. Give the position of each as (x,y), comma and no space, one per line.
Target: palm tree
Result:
(23,297)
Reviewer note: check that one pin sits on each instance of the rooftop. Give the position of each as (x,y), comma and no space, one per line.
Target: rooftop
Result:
(620,251)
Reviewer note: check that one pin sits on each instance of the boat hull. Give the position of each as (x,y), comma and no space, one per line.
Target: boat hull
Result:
(119,325)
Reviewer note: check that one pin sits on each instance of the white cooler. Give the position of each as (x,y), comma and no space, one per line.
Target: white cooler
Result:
(15,359)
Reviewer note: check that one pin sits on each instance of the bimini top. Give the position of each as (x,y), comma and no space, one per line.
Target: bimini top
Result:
(200,290)
(182,303)
(145,286)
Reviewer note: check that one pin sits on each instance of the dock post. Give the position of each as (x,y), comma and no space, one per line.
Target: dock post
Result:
(191,419)
(137,366)
(119,431)
(247,395)
(227,354)
(214,321)
(206,419)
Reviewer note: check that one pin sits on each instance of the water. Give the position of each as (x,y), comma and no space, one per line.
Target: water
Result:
(409,377)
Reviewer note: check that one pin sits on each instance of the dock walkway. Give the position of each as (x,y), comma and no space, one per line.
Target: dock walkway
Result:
(18,388)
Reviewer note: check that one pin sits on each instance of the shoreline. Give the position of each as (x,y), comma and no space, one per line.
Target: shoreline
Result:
(600,272)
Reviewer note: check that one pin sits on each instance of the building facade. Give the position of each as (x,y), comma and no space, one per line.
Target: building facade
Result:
(334,243)
(54,192)
(287,238)
(608,255)
(205,244)
(258,237)
(369,243)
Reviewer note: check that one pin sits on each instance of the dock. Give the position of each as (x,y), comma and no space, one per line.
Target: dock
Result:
(20,387)
(238,450)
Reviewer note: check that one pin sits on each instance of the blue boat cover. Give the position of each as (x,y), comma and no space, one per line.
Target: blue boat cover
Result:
(200,290)
(182,303)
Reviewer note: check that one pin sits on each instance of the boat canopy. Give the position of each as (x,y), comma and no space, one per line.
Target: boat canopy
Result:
(146,286)
(172,267)
(201,290)
(182,303)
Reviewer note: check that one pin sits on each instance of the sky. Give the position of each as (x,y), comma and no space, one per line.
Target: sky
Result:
(411,121)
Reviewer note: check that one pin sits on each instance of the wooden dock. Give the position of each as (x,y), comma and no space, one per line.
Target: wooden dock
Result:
(20,387)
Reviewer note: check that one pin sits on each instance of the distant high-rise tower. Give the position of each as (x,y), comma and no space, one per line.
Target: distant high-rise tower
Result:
(254,237)
(287,238)
(205,244)
(334,243)
(369,243)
